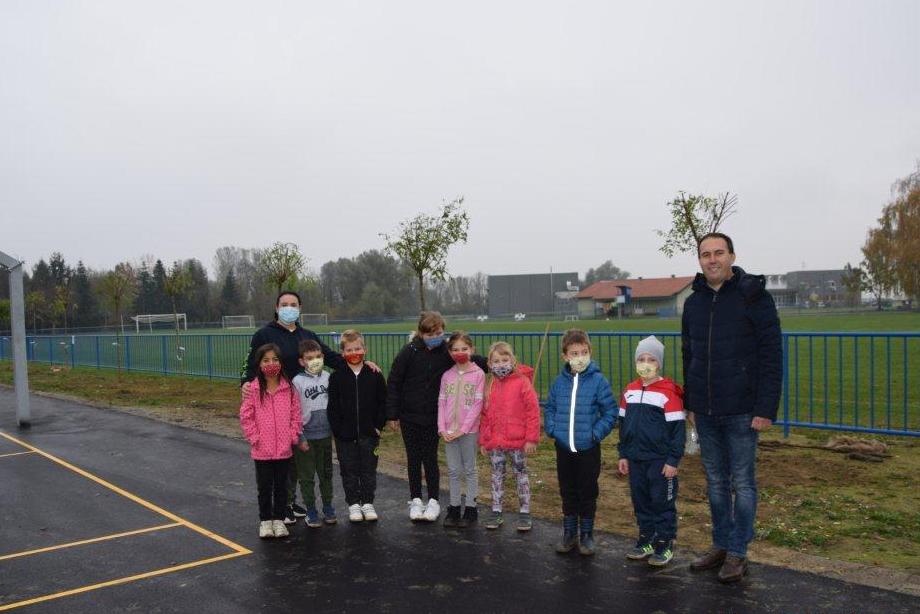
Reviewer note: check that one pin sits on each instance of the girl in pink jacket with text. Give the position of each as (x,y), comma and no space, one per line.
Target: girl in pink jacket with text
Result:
(509,428)
(459,404)
(271,421)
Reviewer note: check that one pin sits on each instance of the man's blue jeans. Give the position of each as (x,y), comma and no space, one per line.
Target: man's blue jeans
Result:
(728,448)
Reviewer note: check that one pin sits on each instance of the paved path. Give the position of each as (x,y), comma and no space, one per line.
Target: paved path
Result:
(203,480)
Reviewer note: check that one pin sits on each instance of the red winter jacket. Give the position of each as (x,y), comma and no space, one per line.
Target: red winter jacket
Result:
(273,424)
(511,412)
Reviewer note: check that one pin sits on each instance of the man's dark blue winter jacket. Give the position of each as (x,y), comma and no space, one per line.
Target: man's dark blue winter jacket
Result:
(732,348)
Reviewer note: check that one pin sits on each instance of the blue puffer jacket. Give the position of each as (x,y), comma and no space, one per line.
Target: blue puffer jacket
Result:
(732,348)
(594,413)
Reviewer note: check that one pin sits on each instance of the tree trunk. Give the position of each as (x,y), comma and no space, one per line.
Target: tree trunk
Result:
(176,320)
(421,290)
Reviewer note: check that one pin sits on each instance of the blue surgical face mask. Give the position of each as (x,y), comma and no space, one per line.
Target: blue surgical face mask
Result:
(288,315)
(434,342)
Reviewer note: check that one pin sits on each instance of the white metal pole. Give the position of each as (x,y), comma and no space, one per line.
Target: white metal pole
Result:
(18,324)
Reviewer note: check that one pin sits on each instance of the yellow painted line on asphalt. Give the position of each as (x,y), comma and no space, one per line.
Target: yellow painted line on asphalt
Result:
(108,583)
(16,454)
(89,541)
(151,506)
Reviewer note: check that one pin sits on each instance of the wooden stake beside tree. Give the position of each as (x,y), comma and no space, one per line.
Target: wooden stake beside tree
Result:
(423,242)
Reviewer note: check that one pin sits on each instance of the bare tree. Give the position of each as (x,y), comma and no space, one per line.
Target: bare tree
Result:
(282,264)
(693,216)
(423,242)
(175,286)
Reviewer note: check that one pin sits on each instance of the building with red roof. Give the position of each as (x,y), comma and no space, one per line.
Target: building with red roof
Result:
(663,296)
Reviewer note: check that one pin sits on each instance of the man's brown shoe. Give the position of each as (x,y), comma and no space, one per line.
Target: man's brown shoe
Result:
(733,569)
(710,560)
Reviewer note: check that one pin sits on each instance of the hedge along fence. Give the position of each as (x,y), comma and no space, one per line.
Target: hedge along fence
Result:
(868,382)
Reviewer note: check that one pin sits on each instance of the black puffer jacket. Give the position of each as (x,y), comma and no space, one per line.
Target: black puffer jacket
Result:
(415,381)
(732,348)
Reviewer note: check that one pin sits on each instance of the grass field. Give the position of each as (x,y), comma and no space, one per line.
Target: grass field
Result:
(811,501)
(842,379)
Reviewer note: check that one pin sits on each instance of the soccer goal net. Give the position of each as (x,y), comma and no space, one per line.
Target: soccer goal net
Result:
(571,318)
(314,319)
(238,322)
(149,319)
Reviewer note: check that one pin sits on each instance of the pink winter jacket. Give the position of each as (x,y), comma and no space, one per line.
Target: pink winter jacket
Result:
(511,412)
(273,424)
(460,400)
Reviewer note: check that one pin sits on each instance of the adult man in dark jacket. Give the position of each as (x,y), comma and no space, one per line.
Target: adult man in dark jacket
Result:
(733,371)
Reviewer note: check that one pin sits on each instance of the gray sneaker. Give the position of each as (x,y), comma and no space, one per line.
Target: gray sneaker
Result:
(524,523)
(495,520)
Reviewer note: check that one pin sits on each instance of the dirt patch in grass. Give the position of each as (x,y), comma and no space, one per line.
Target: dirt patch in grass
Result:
(818,511)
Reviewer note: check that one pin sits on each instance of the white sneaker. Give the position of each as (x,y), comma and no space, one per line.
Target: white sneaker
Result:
(354,513)
(369,512)
(278,529)
(416,509)
(265,529)
(432,510)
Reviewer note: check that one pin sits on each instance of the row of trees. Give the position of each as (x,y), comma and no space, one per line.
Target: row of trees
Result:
(891,253)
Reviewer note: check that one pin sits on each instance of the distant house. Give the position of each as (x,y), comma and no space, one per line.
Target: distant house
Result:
(663,296)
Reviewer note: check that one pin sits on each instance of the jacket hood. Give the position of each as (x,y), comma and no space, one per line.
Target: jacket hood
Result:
(665,385)
(750,286)
(524,371)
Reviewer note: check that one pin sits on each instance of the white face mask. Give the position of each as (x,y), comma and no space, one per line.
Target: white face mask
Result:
(579,363)
(315,365)
(646,370)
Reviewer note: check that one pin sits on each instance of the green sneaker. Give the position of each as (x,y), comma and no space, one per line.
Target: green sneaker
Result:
(662,555)
(495,520)
(640,552)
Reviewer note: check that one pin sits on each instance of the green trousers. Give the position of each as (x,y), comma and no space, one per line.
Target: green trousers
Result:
(315,462)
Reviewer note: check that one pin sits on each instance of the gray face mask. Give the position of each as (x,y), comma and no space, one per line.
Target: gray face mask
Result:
(501,371)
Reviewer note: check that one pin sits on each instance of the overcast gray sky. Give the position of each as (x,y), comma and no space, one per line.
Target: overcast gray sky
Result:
(172,128)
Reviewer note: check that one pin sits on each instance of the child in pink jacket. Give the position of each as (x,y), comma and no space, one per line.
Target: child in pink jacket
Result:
(510,428)
(459,404)
(271,421)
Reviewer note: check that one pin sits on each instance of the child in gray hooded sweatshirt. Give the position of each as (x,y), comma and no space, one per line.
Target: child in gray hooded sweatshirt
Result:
(312,384)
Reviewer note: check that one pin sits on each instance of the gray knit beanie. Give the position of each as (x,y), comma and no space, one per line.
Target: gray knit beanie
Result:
(651,345)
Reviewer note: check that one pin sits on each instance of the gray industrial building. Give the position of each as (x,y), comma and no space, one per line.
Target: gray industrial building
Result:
(542,293)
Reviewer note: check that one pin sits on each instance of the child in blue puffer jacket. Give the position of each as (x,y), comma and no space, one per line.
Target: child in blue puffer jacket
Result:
(579,412)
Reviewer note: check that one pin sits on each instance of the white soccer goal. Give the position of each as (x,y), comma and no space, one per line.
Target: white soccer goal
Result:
(238,322)
(150,318)
(571,318)
(307,319)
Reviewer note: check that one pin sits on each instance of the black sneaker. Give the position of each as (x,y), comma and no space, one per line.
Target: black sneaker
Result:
(298,511)
(470,516)
(289,517)
(452,518)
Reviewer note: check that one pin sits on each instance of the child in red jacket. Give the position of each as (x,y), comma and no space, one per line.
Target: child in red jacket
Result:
(271,421)
(509,428)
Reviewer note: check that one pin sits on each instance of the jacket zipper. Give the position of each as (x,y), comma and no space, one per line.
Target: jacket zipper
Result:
(712,312)
(572,416)
(357,408)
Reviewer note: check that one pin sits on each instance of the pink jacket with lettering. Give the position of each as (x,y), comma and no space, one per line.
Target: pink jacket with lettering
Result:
(460,400)
(273,424)
(511,412)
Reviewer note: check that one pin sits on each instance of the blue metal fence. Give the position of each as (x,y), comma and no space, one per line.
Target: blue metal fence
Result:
(866,382)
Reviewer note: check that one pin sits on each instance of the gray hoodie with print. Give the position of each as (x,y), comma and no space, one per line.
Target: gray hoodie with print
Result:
(314,397)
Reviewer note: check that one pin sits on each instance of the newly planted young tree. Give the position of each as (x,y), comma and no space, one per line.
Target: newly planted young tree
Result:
(117,289)
(693,216)
(175,285)
(282,264)
(423,242)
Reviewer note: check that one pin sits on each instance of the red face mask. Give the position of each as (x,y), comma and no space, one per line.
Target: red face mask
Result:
(461,358)
(354,358)
(272,369)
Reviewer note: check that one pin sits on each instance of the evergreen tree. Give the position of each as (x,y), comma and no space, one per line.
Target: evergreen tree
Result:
(146,298)
(85,307)
(229,296)
(160,301)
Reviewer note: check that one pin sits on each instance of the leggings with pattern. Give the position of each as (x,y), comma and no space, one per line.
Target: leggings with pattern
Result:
(519,467)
